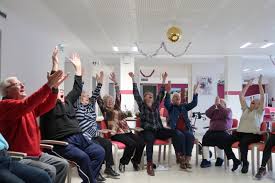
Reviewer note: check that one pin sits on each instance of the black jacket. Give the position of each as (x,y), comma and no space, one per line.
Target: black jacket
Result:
(61,121)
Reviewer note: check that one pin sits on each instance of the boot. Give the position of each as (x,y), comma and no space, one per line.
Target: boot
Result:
(150,169)
(187,161)
(178,158)
(182,162)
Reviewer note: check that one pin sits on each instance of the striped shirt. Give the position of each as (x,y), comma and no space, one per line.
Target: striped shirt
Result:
(86,115)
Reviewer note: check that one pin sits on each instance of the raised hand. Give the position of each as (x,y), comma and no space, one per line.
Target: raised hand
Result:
(260,82)
(164,76)
(131,74)
(55,59)
(250,82)
(217,100)
(55,78)
(168,87)
(75,60)
(63,78)
(113,77)
(100,77)
(196,87)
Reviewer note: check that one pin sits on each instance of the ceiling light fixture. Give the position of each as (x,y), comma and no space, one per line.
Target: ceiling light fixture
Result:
(115,48)
(245,70)
(267,45)
(246,45)
(257,70)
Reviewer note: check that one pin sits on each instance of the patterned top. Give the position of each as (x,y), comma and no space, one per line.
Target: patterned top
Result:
(114,117)
(86,115)
(149,117)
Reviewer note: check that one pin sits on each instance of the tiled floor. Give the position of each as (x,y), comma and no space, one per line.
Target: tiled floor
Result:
(175,175)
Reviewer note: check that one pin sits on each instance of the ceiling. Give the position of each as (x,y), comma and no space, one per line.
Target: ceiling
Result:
(215,27)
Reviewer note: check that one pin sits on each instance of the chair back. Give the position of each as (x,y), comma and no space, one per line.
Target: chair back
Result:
(263,128)
(235,123)
(138,122)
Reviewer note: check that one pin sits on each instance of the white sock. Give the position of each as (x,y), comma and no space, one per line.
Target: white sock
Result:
(219,153)
(205,153)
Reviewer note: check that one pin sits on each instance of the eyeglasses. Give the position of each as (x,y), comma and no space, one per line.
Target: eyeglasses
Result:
(16,84)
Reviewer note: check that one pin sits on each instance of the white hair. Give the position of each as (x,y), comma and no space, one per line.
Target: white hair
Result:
(4,84)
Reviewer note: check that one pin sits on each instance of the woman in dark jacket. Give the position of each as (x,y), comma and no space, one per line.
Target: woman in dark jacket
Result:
(120,130)
(178,116)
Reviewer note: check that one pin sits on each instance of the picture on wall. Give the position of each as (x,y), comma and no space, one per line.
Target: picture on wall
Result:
(206,85)
(175,90)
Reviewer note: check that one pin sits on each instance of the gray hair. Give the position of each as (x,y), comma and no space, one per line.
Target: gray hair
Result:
(4,84)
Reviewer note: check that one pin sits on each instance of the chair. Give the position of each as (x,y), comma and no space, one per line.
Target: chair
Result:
(159,143)
(117,145)
(49,145)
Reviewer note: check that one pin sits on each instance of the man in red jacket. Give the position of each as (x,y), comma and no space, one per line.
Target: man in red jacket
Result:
(19,126)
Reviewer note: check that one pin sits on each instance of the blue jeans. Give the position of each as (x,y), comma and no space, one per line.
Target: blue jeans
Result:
(87,154)
(12,171)
(184,142)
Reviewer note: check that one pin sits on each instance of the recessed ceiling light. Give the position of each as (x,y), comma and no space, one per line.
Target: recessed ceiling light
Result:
(246,45)
(245,70)
(134,49)
(257,70)
(115,48)
(267,45)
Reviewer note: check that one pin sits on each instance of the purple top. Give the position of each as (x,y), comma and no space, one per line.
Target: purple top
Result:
(220,118)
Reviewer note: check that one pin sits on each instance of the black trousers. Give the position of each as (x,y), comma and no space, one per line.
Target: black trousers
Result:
(268,148)
(150,137)
(107,145)
(245,140)
(216,138)
(134,147)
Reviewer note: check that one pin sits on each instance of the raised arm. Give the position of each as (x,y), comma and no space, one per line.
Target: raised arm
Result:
(50,101)
(260,82)
(11,109)
(137,96)
(100,103)
(194,101)
(117,90)
(167,100)
(161,93)
(75,93)
(242,94)
(96,92)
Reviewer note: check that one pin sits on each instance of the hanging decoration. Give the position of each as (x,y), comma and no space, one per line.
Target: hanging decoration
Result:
(162,45)
(147,76)
(174,34)
(272,60)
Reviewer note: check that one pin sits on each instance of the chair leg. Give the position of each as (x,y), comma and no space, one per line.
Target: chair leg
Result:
(225,162)
(142,160)
(258,158)
(116,161)
(253,160)
(169,155)
(215,152)
(197,153)
(164,153)
(159,155)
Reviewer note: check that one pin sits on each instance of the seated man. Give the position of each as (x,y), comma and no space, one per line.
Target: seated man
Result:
(220,121)
(12,171)
(61,124)
(86,114)
(150,120)
(18,122)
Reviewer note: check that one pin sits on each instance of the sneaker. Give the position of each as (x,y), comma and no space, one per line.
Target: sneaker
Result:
(205,163)
(110,172)
(236,164)
(245,167)
(261,173)
(100,178)
(219,162)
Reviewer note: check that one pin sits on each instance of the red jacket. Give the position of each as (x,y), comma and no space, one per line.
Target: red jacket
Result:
(18,122)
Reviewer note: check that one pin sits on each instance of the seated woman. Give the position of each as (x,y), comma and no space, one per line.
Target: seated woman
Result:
(220,121)
(12,171)
(86,115)
(120,130)
(248,131)
(178,114)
